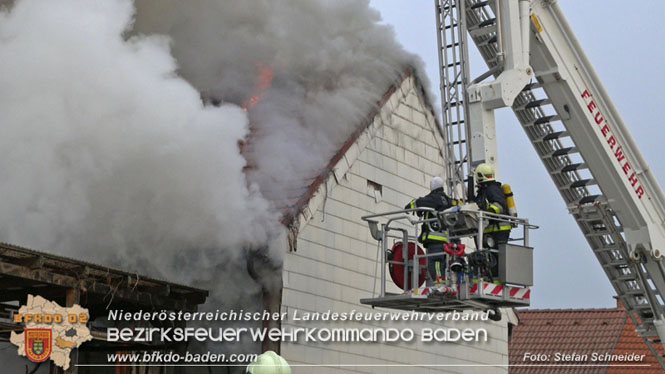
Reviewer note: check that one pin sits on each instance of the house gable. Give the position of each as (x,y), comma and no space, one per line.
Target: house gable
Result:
(332,260)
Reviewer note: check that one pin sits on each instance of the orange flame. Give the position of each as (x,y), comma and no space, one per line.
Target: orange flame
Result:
(260,87)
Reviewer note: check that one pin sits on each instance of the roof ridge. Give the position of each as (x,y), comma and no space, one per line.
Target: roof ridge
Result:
(288,217)
(570,310)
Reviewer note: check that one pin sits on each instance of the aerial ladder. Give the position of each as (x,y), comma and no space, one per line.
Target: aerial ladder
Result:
(585,147)
(539,69)
(479,275)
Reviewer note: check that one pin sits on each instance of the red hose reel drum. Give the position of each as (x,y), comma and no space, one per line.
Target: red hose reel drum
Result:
(397,270)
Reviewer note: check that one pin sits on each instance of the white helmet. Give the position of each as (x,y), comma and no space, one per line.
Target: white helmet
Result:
(436,182)
(269,363)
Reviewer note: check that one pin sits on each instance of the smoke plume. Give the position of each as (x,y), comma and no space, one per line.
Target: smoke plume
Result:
(108,154)
(330,60)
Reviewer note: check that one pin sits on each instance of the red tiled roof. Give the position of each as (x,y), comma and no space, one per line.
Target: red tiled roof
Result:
(630,342)
(580,333)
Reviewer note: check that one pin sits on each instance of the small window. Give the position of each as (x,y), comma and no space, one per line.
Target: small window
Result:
(375,190)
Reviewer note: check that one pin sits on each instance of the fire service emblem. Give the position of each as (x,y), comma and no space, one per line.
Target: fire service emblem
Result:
(38,343)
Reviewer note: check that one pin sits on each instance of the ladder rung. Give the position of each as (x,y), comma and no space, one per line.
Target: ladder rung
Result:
(573,167)
(537,103)
(456,142)
(479,4)
(546,119)
(589,199)
(597,233)
(582,183)
(640,306)
(455,123)
(607,248)
(448,27)
(488,41)
(628,277)
(615,263)
(452,45)
(488,22)
(646,321)
(455,103)
(492,61)
(476,32)
(453,64)
(646,314)
(591,220)
(555,135)
(564,151)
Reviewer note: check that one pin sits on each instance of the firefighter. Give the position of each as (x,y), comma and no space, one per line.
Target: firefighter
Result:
(433,235)
(491,198)
(269,363)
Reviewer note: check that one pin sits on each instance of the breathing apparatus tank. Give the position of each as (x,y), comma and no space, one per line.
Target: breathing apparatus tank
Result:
(508,192)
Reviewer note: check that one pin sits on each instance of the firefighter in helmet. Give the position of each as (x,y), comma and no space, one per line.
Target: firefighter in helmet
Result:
(491,198)
(433,234)
(269,363)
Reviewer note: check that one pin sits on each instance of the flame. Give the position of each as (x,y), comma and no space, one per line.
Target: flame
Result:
(262,85)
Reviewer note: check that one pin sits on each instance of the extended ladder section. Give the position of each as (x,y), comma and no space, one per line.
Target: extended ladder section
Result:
(454,73)
(591,158)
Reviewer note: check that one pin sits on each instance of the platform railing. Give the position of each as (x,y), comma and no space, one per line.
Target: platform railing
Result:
(460,223)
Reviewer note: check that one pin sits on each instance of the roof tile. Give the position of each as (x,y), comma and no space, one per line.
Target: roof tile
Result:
(580,333)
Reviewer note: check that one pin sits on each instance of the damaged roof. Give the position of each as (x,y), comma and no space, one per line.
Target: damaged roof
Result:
(290,204)
(24,271)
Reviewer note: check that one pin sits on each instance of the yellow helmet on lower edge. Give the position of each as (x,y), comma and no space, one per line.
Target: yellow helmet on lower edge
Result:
(269,363)
(484,173)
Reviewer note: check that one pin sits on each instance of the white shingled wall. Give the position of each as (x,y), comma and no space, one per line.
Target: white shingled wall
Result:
(334,264)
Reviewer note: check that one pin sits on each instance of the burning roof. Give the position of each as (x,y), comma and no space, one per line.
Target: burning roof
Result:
(111,154)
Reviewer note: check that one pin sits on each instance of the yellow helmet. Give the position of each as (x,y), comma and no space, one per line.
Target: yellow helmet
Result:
(269,363)
(484,173)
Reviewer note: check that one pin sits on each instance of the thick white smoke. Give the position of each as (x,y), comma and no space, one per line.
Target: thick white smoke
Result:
(108,155)
(331,62)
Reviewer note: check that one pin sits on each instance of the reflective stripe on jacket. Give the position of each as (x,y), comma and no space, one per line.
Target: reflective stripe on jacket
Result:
(490,198)
(497,227)
(434,236)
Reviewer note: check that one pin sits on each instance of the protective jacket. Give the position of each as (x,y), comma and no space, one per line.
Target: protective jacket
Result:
(490,198)
(439,201)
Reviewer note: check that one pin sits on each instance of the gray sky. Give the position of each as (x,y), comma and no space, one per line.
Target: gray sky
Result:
(625,45)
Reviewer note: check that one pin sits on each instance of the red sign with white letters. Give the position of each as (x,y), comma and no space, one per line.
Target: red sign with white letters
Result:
(613,144)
